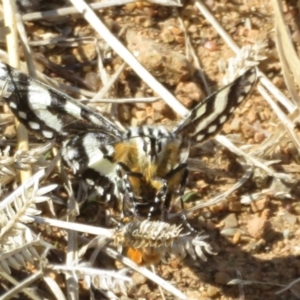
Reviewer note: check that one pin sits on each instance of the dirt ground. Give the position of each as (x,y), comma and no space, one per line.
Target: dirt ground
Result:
(255,242)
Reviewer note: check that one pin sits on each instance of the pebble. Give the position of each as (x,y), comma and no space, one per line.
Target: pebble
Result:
(256,227)
(160,106)
(259,137)
(144,21)
(222,278)
(188,93)
(10,131)
(230,221)
(229,231)
(138,278)
(235,124)
(211,46)
(234,206)
(84,53)
(289,218)
(92,79)
(193,295)
(247,130)
(259,205)
(252,117)
(140,115)
(167,37)
(212,291)
(236,238)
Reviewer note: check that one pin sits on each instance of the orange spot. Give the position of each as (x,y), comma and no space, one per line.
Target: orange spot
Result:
(135,255)
(144,256)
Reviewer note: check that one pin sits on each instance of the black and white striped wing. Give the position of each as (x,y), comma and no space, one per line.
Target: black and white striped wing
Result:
(46,111)
(208,117)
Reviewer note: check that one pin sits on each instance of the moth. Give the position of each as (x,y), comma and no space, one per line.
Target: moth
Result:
(142,168)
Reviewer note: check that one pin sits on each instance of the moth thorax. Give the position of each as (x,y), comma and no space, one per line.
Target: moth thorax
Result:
(152,148)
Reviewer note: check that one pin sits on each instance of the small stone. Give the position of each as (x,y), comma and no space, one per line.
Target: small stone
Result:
(259,137)
(252,117)
(57,59)
(247,130)
(259,205)
(92,79)
(193,295)
(211,46)
(10,131)
(140,115)
(212,291)
(236,238)
(193,29)
(279,82)
(235,125)
(265,214)
(130,6)
(222,278)
(230,221)
(234,206)
(289,218)
(256,227)
(160,106)
(144,21)
(157,117)
(188,93)
(176,30)
(84,53)
(138,278)
(229,231)
(141,105)
(167,36)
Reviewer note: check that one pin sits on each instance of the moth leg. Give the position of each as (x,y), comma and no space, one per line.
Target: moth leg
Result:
(159,200)
(125,187)
(180,192)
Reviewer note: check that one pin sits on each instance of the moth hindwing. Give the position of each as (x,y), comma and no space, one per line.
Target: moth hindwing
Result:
(208,117)
(141,169)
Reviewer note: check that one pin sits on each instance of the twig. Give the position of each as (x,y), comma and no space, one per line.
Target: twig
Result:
(26,291)
(109,84)
(12,45)
(123,100)
(75,226)
(20,286)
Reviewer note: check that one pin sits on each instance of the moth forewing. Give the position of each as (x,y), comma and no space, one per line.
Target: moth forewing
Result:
(46,111)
